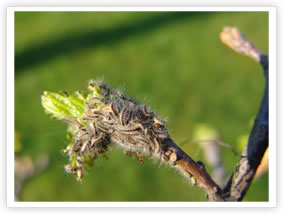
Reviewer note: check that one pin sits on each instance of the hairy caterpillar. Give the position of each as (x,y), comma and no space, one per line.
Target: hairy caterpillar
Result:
(109,118)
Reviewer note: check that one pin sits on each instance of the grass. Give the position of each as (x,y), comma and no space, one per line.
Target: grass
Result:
(173,62)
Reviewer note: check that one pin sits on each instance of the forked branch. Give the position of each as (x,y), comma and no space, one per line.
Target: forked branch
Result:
(105,116)
(245,170)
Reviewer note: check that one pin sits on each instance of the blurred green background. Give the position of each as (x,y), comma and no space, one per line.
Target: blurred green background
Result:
(172,61)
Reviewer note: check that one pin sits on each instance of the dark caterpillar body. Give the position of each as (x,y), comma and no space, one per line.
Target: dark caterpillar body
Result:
(115,119)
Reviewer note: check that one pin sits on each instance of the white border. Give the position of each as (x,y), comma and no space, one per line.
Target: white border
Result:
(10,106)
(10,111)
(272,106)
(143,9)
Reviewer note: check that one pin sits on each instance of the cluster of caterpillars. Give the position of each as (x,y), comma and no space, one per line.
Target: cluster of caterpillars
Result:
(114,118)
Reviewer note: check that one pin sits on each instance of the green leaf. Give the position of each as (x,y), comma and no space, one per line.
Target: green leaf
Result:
(60,106)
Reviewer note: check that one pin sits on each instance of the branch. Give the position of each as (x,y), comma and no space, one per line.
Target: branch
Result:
(192,170)
(245,170)
(104,117)
(107,117)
